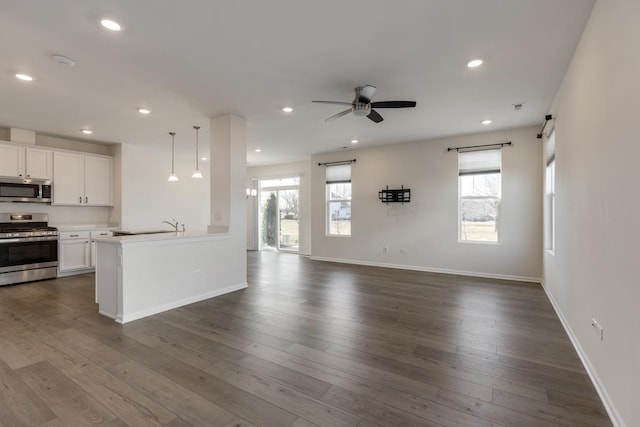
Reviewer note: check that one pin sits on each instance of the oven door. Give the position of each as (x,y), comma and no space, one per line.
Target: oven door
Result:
(26,253)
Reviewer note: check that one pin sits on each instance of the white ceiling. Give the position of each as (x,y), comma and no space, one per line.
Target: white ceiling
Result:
(193,59)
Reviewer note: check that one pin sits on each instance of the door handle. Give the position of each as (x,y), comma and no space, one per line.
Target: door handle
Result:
(86,199)
(80,199)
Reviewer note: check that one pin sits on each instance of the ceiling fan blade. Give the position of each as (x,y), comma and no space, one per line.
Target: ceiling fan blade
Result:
(332,102)
(340,114)
(366,94)
(373,115)
(393,104)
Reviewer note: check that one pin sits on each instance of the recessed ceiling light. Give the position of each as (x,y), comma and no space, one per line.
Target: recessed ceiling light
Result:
(25,77)
(64,60)
(258,150)
(486,122)
(474,63)
(111,25)
(354,141)
(144,111)
(203,158)
(87,131)
(287,109)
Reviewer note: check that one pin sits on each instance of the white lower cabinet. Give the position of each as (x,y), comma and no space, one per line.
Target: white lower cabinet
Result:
(76,251)
(94,235)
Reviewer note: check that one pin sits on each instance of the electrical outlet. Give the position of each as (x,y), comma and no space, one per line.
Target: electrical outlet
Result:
(599,329)
(403,251)
(385,249)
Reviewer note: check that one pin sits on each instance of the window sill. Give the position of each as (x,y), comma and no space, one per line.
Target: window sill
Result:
(479,242)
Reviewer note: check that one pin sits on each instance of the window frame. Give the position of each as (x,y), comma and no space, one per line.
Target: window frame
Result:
(329,200)
(550,195)
(497,198)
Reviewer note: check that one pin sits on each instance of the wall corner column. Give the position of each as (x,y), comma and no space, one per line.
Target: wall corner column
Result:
(228,145)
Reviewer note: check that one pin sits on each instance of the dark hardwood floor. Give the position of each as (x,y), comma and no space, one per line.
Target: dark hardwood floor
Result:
(308,343)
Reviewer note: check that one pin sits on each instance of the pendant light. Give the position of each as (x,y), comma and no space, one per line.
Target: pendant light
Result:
(172,176)
(197,173)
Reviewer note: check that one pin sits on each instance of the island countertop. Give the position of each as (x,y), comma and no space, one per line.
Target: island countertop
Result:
(156,237)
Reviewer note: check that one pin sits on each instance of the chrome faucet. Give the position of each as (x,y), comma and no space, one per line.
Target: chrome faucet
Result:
(175,226)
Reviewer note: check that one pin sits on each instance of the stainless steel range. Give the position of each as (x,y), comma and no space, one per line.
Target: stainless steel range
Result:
(28,248)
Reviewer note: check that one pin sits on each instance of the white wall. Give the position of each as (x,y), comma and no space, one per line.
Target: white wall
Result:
(301,169)
(594,272)
(427,227)
(148,198)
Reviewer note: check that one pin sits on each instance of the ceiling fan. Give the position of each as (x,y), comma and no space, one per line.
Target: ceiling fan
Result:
(362,105)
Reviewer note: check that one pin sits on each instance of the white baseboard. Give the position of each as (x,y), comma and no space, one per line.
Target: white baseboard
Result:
(75,272)
(105,314)
(431,270)
(616,419)
(175,304)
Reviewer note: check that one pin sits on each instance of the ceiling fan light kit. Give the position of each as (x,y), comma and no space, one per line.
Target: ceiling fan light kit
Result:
(362,105)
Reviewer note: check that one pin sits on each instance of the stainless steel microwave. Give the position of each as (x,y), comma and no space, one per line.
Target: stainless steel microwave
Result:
(25,190)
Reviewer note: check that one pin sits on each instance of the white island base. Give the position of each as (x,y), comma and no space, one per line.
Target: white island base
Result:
(137,276)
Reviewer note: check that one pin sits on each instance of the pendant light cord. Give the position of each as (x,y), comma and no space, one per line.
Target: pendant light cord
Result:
(197,128)
(173,134)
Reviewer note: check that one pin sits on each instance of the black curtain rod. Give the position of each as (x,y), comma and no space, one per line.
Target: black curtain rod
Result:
(502,144)
(544,125)
(341,162)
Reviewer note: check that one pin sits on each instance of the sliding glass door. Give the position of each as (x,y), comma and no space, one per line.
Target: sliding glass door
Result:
(280,214)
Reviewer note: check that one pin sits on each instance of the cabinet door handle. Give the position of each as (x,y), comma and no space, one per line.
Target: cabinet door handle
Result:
(80,199)
(73,235)
(28,176)
(86,199)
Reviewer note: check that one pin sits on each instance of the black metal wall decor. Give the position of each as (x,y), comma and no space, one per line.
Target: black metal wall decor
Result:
(403,195)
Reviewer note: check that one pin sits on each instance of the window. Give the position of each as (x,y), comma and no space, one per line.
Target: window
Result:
(479,189)
(550,194)
(338,200)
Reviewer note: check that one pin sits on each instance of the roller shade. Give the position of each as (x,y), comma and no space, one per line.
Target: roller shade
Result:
(551,148)
(479,162)
(338,173)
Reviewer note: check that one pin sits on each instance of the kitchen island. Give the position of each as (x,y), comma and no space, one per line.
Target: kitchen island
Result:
(145,274)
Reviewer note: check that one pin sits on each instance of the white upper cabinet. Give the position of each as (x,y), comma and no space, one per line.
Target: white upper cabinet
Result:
(39,163)
(25,162)
(98,181)
(11,161)
(68,179)
(82,180)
